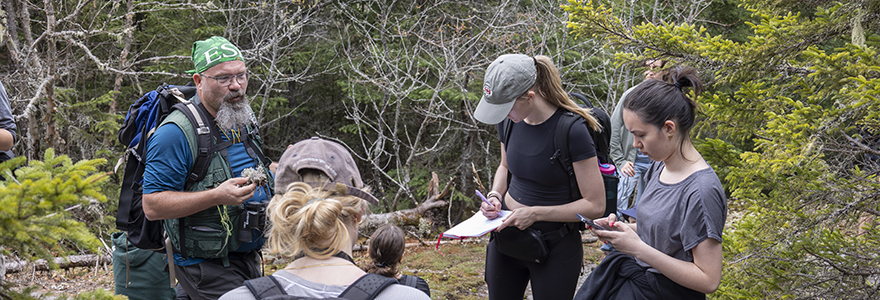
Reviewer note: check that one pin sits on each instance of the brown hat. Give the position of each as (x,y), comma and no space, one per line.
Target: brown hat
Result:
(326,156)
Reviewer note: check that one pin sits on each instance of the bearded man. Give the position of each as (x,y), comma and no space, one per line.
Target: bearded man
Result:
(214,249)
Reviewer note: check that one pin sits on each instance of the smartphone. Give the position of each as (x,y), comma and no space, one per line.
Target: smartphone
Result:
(590,223)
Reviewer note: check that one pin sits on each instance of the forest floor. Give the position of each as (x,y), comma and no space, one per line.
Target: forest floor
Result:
(455,272)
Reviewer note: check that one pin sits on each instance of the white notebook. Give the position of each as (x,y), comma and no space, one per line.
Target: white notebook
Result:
(475,226)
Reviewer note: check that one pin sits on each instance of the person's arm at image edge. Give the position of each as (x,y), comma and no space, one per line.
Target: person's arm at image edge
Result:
(7,122)
(7,140)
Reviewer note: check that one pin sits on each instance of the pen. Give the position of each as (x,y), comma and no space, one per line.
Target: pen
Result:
(484,198)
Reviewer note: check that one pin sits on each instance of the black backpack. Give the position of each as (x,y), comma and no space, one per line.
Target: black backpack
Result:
(143,117)
(601,140)
(367,287)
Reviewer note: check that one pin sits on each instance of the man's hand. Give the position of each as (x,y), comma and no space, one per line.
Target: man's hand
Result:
(231,192)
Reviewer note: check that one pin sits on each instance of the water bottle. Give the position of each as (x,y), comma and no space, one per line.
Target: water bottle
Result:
(608,169)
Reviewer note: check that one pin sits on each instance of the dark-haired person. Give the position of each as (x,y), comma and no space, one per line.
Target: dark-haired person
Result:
(675,254)
(386,251)
(528,91)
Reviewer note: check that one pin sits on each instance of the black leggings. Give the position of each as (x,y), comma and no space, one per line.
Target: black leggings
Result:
(555,278)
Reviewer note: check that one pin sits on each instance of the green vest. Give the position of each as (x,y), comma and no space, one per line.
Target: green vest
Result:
(213,232)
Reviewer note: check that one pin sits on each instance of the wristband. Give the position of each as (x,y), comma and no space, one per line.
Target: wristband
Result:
(494,193)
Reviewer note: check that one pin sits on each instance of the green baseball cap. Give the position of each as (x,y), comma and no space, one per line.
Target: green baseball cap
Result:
(210,52)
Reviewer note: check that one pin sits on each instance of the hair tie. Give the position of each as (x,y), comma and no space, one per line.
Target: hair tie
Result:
(678,84)
(312,200)
(535,60)
(381,264)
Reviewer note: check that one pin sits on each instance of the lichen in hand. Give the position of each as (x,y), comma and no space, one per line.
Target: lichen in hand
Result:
(255,175)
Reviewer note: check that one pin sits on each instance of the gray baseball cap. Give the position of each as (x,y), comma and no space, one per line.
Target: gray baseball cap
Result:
(507,78)
(328,157)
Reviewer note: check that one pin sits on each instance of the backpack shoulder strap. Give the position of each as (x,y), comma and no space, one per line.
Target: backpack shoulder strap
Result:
(206,132)
(560,141)
(367,287)
(250,138)
(582,98)
(562,155)
(507,124)
(265,286)
(408,280)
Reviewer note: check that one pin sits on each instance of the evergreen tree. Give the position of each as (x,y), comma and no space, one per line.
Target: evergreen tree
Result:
(791,126)
(36,202)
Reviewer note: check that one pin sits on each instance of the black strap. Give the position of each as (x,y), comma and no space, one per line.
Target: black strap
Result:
(207,134)
(564,230)
(408,280)
(505,137)
(552,238)
(181,226)
(339,254)
(583,99)
(129,184)
(367,287)
(562,155)
(265,286)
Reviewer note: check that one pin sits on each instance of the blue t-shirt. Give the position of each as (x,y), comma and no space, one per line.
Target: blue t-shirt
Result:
(168,162)
(538,180)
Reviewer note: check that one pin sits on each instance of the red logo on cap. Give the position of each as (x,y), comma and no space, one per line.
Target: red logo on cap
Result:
(487,91)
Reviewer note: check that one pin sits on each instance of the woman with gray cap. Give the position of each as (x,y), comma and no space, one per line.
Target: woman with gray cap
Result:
(539,242)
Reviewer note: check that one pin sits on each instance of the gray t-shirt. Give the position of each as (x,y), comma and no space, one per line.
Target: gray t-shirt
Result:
(297,286)
(674,218)
(7,121)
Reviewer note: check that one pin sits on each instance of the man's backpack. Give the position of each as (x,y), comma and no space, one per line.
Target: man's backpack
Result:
(367,287)
(601,140)
(141,121)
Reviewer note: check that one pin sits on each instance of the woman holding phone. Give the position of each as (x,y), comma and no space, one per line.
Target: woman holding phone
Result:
(676,253)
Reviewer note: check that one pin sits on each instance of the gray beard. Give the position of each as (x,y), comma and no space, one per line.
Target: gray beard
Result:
(232,115)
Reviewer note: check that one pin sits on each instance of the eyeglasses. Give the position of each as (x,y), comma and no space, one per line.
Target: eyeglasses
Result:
(227,80)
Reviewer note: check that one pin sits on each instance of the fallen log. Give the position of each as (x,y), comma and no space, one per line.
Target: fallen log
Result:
(411,216)
(73,261)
